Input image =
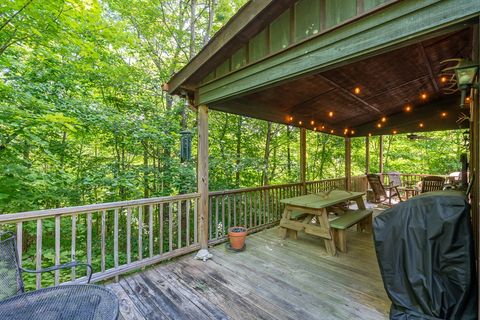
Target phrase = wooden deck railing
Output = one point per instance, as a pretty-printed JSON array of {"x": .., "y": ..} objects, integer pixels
[
  {"x": 120, "y": 237},
  {"x": 256, "y": 208},
  {"x": 128, "y": 235}
]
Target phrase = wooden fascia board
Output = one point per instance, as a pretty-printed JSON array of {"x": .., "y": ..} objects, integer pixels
[
  {"x": 223, "y": 36},
  {"x": 428, "y": 114},
  {"x": 396, "y": 24}
]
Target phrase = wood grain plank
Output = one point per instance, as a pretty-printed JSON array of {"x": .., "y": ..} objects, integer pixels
[{"x": 127, "y": 307}]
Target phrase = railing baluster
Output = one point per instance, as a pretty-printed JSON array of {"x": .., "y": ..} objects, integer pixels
[
  {"x": 140, "y": 233},
  {"x": 129, "y": 234},
  {"x": 216, "y": 217},
  {"x": 150, "y": 231},
  {"x": 57, "y": 249},
  {"x": 244, "y": 197},
  {"x": 223, "y": 216},
  {"x": 115, "y": 238},
  {"x": 20, "y": 243},
  {"x": 170, "y": 226},
  {"x": 102, "y": 258},
  {"x": 235, "y": 209},
  {"x": 250, "y": 209},
  {"x": 89, "y": 238},
  {"x": 229, "y": 212},
  {"x": 38, "y": 276},
  {"x": 179, "y": 224},
  {"x": 161, "y": 228},
  {"x": 195, "y": 221},
  {"x": 187, "y": 222},
  {"x": 210, "y": 217},
  {"x": 73, "y": 249}
]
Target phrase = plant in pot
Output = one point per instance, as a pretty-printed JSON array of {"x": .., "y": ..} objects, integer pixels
[{"x": 237, "y": 236}]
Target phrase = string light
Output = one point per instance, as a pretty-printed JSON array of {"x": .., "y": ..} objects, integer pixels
[
  {"x": 323, "y": 127},
  {"x": 345, "y": 131},
  {"x": 314, "y": 128},
  {"x": 369, "y": 134},
  {"x": 312, "y": 122},
  {"x": 300, "y": 122},
  {"x": 408, "y": 108},
  {"x": 330, "y": 114},
  {"x": 443, "y": 79},
  {"x": 394, "y": 131},
  {"x": 332, "y": 131},
  {"x": 443, "y": 114},
  {"x": 467, "y": 99},
  {"x": 384, "y": 119},
  {"x": 379, "y": 125},
  {"x": 352, "y": 131},
  {"x": 357, "y": 90},
  {"x": 290, "y": 118},
  {"x": 420, "y": 124},
  {"x": 424, "y": 96}
]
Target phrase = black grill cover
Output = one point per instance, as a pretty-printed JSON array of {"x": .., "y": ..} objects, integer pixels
[{"x": 426, "y": 255}]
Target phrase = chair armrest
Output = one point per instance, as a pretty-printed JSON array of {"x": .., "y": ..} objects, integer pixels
[{"x": 67, "y": 265}]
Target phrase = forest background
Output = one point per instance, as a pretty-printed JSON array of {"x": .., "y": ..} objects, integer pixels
[{"x": 83, "y": 118}]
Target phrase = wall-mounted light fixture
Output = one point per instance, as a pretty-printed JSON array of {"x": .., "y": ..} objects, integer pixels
[{"x": 466, "y": 72}]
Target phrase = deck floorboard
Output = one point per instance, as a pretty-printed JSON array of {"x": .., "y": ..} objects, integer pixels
[{"x": 272, "y": 279}]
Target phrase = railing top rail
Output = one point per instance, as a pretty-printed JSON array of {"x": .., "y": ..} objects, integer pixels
[
  {"x": 325, "y": 180},
  {"x": 42, "y": 214},
  {"x": 273, "y": 186}
]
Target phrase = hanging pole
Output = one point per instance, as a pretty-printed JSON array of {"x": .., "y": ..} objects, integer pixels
[
  {"x": 348, "y": 163},
  {"x": 303, "y": 159}
]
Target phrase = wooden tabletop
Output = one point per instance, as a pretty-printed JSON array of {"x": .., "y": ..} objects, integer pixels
[{"x": 318, "y": 201}]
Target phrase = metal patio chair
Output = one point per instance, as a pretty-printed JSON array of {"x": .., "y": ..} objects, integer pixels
[{"x": 11, "y": 282}]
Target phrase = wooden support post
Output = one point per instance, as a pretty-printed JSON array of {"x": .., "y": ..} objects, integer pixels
[
  {"x": 303, "y": 159},
  {"x": 367, "y": 155},
  {"x": 475, "y": 151},
  {"x": 202, "y": 182},
  {"x": 380, "y": 156},
  {"x": 348, "y": 163}
]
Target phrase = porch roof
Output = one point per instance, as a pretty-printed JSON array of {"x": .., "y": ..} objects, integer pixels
[{"x": 342, "y": 81}]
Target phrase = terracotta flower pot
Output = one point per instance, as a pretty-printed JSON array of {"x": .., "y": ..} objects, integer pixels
[{"x": 237, "y": 237}]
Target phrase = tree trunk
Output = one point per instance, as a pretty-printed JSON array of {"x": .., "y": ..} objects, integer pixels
[
  {"x": 211, "y": 14},
  {"x": 146, "y": 188},
  {"x": 193, "y": 9},
  {"x": 265, "y": 178},
  {"x": 239, "y": 145}
]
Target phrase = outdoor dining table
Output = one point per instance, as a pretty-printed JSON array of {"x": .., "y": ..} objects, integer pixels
[
  {"x": 72, "y": 302},
  {"x": 316, "y": 206}
]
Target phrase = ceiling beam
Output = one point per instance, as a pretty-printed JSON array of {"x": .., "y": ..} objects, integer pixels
[
  {"x": 429, "y": 67},
  {"x": 366, "y": 105},
  {"x": 430, "y": 114}
]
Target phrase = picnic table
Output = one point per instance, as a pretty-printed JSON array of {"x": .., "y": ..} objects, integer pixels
[{"x": 309, "y": 213}]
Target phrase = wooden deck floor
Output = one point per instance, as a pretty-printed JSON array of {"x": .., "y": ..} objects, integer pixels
[{"x": 272, "y": 279}]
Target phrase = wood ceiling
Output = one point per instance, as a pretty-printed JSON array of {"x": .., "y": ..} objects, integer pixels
[{"x": 387, "y": 82}]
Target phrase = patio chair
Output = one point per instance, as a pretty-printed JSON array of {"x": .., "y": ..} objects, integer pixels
[
  {"x": 432, "y": 183},
  {"x": 394, "y": 179},
  {"x": 11, "y": 282},
  {"x": 382, "y": 193}
]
